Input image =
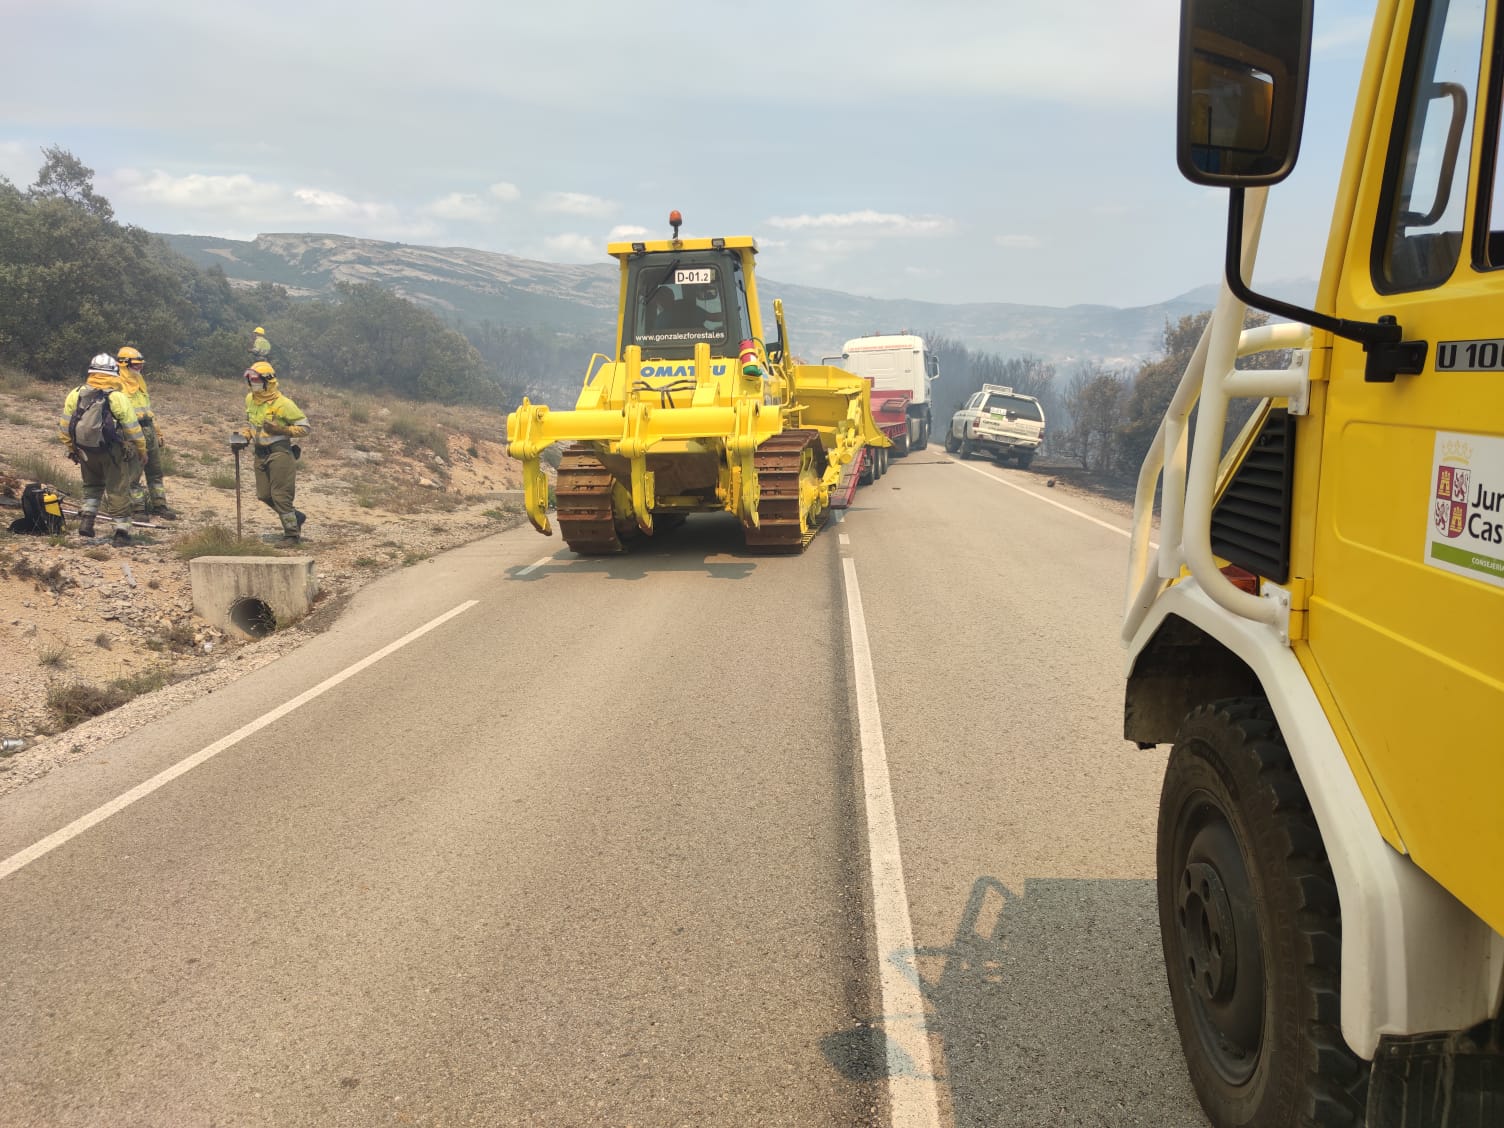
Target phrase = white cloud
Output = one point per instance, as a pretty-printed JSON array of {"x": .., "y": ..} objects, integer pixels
[
  {"x": 624, "y": 231},
  {"x": 505, "y": 191},
  {"x": 570, "y": 247},
  {"x": 461, "y": 206},
  {"x": 1016, "y": 241},
  {"x": 866, "y": 222},
  {"x": 576, "y": 203},
  {"x": 238, "y": 204}
]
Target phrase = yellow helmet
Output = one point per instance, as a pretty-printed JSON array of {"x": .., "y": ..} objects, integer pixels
[
  {"x": 130, "y": 356},
  {"x": 262, "y": 368},
  {"x": 258, "y": 329}
]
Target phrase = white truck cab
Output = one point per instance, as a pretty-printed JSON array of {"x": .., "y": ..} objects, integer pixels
[{"x": 899, "y": 367}]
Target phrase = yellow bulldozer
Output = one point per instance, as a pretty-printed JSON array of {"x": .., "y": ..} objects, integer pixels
[{"x": 696, "y": 413}]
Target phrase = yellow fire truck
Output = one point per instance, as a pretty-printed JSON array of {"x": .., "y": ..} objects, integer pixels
[{"x": 1319, "y": 630}]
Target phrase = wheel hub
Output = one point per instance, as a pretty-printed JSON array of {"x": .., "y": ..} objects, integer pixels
[
  {"x": 1221, "y": 957},
  {"x": 1207, "y": 933}
]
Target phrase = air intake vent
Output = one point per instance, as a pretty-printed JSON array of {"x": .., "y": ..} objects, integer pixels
[{"x": 1251, "y": 523}]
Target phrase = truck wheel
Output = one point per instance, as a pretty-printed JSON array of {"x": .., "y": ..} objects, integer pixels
[
  {"x": 900, "y": 445},
  {"x": 1251, "y": 928},
  {"x": 965, "y": 449},
  {"x": 1024, "y": 459},
  {"x": 951, "y": 442},
  {"x": 882, "y": 461},
  {"x": 924, "y": 435}
]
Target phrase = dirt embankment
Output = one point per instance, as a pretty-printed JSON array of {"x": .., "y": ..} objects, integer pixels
[{"x": 385, "y": 484}]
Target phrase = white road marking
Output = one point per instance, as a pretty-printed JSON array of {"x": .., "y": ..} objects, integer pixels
[
  {"x": 845, "y": 539},
  {"x": 1039, "y": 497},
  {"x": 16, "y": 861},
  {"x": 911, "y": 1076},
  {"x": 535, "y": 564}
]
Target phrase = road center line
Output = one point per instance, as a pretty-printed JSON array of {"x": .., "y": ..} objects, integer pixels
[
  {"x": 912, "y": 1099},
  {"x": 534, "y": 564},
  {"x": 16, "y": 861},
  {"x": 1037, "y": 497}
]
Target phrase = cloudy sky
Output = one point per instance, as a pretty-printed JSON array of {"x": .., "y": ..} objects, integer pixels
[{"x": 944, "y": 150}]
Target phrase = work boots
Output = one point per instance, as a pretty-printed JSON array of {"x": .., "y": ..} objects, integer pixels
[
  {"x": 163, "y": 510},
  {"x": 86, "y": 524},
  {"x": 121, "y": 539}
]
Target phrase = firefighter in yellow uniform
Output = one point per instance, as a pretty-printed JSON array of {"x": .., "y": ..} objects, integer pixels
[
  {"x": 275, "y": 425},
  {"x": 99, "y": 428},
  {"x": 261, "y": 348},
  {"x": 153, "y": 498}
]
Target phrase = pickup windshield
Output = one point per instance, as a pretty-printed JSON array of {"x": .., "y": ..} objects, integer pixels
[{"x": 1019, "y": 405}]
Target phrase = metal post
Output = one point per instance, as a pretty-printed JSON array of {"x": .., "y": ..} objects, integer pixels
[{"x": 237, "y": 493}]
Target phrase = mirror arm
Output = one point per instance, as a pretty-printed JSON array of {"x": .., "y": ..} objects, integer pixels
[{"x": 1389, "y": 354}]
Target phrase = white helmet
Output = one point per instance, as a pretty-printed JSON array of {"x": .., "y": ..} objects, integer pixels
[{"x": 104, "y": 363}]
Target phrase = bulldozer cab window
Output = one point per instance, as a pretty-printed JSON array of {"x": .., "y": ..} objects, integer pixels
[
  {"x": 677, "y": 304},
  {"x": 1419, "y": 240}
]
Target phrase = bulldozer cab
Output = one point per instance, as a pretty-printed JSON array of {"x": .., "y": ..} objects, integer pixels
[{"x": 677, "y": 299}]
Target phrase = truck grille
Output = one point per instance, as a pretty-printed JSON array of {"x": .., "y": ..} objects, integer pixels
[{"x": 1251, "y": 522}]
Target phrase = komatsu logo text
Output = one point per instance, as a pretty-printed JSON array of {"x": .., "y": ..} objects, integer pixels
[{"x": 677, "y": 371}]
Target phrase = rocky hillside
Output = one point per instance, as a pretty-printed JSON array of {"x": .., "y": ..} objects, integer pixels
[
  {"x": 470, "y": 285},
  {"x": 85, "y": 626}
]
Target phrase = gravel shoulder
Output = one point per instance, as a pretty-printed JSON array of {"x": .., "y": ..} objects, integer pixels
[{"x": 385, "y": 485}]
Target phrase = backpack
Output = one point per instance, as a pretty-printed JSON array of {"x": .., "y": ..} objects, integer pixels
[
  {"x": 41, "y": 511},
  {"x": 93, "y": 426}
]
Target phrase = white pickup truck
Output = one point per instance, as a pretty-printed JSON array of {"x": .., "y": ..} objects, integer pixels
[{"x": 1005, "y": 423}]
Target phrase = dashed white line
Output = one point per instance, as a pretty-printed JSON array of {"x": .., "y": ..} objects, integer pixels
[
  {"x": 534, "y": 564},
  {"x": 912, "y": 1099},
  {"x": 16, "y": 861}
]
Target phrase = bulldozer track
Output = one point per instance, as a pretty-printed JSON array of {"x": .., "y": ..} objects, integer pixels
[
  {"x": 582, "y": 503},
  {"x": 780, "y": 461}
]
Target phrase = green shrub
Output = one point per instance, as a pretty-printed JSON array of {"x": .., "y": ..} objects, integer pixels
[{"x": 418, "y": 435}]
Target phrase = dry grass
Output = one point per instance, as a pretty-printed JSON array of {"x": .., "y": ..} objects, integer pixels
[{"x": 216, "y": 540}]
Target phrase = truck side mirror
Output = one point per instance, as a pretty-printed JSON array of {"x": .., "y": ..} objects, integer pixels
[
  {"x": 1242, "y": 91},
  {"x": 932, "y": 367}
]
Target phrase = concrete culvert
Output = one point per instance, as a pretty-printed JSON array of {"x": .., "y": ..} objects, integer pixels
[{"x": 253, "y": 617}]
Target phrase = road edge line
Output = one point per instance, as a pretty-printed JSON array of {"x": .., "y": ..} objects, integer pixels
[
  {"x": 912, "y": 1098},
  {"x": 58, "y": 837}
]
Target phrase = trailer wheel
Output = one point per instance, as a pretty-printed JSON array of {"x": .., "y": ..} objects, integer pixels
[
  {"x": 868, "y": 474},
  {"x": 1251, "y": 928},
  {"x": 882, "y": 461}
]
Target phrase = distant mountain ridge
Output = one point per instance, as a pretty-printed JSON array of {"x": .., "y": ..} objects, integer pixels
[{"x": 466, "y": 285}]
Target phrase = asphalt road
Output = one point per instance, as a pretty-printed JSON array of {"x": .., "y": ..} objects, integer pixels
[{"x": 598, "y": 848}]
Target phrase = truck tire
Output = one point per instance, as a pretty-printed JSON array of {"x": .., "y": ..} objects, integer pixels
[
  {"x": 882, "y": 461},
  {"x": 1024, "y": 459},
  {"x": 952, "y": 444},
  {"x": 965, "y": 449},
  {"x": 924, "y": 435},
  {"x": 1251, "y": 928},
  {"x": 901, "y": 444}
]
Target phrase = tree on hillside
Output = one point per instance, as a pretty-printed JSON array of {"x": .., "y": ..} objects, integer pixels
[
  {"x": 372, "y": 338},
  {"x": 64, "y": 177},
  {"x": 1094, "y": 404},
  {"x": 74, "y": 282},
  {"x": 1156, "y": 380}
]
